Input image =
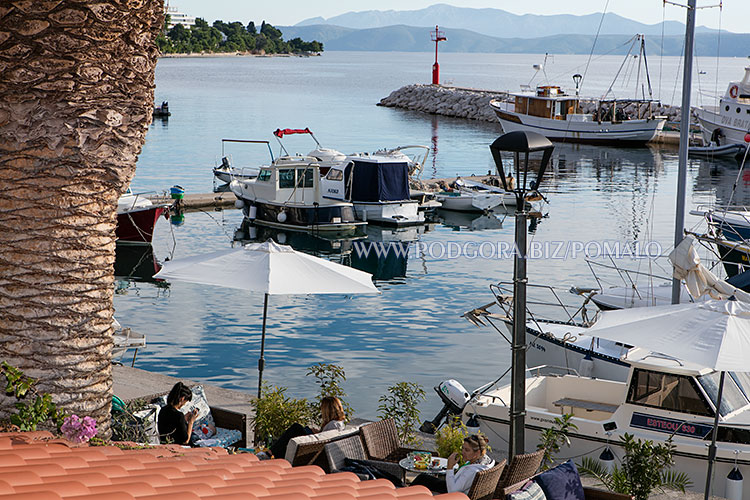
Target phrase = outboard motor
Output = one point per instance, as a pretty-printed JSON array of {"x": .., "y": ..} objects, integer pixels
[
  {"x": 454, "y": 397},
  {"x": 225, "y": 162}
]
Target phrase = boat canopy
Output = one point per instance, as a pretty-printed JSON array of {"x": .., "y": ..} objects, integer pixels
[{"x": 378, "y": 180}]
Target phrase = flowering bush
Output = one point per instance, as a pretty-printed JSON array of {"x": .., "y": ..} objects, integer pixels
[{"x": 78, "y": 430}]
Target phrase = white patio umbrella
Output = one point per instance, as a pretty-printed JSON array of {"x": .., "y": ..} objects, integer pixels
[
  {"x": 714, "y": 334},
  {"x": 272, "y": 269}
]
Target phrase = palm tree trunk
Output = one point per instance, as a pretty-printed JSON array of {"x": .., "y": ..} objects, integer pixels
[{"x": 76, "y": 99}]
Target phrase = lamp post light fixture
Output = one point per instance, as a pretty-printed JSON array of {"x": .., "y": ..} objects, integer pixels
[
  {"x": 577, "y": 79},
  {"x": 521, "y": 144}
]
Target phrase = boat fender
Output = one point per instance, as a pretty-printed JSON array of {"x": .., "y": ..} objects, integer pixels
[
  {"x": 252, "y": 212},
  {"x": 586, "y": 366},
  {"x": 607, "y": 458},
  {"x": 733, "y": 91},
  {"x": 282, "y": 238},
  {"x": 281, "y": 217},
  {"x": 252, "y": 232},
  {"x": 734, "y": 485},
  {"x": 239, "y": 204}
]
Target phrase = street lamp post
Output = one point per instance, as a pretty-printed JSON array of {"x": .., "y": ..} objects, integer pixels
[{"x": 521, "y": 144}]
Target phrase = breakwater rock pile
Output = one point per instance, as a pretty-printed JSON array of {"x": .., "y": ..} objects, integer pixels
[
  {"x": 447, "y": 101},
  {"x": 474, "y": 104}
]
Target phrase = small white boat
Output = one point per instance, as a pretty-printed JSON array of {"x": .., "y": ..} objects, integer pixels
[
  {"x": 287, "y": 195},
  {"x": 729, "y": 122},
  {"x": 473, "y": 196},
  {"x": 226, "y": 171},
  {"x": 377, "y": 186}
]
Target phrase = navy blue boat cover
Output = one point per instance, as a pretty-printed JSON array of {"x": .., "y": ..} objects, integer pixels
[{"x": 374, "y": 181}]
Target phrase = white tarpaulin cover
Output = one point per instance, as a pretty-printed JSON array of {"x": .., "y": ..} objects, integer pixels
[
  {"x": 698, "y": 279},
  {"x": 713, "y": 333},
  {"x": 269, "y": 268}
]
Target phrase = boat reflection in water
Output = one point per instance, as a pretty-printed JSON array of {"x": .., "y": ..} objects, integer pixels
[
  {"x": 136, "y": 263},
  {"x": 382, "y": 252}
]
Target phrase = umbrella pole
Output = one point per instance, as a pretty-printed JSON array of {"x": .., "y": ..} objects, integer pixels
[
  {"x": 261, "y": 360},
  {"x": 712, "y": 447}
]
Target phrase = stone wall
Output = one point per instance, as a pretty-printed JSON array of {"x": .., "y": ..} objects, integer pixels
[{"x": 474, "y": 104}]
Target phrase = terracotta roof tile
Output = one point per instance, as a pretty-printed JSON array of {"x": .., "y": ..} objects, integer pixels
[
  {"x": 135, "y": 488},
  {"x": 34, "y": 466},
  {"x": 37, "y": 495}
]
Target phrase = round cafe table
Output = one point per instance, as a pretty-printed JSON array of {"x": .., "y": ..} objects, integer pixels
[{"x": 408, "y": 465}]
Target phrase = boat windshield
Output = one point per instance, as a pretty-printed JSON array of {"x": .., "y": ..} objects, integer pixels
[
  {"x": 732, "y": 399},
  {"x": 305, "y": 177},
  {"x": 264, "y": 175},
  {"x": 667, "y": 391}
]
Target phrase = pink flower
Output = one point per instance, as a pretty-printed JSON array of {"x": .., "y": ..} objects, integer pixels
[{"x": 78, "y": 430}]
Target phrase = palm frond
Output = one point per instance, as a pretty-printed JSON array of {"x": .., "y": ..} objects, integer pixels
[{"x": 675, "y": 480}]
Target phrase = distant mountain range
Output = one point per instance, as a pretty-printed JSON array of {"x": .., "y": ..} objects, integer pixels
[
  {"x": 499, "y": 23},
  {"x": 401, "y": 38}
]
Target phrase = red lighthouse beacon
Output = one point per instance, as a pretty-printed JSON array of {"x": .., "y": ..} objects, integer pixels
[{"x": 437, "y": 36}]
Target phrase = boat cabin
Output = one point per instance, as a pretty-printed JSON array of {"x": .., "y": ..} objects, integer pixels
[
  {"x": 293, "y": 182},
  {"x": 549, "y": 101},
  {"x": 368, "y": 179}
]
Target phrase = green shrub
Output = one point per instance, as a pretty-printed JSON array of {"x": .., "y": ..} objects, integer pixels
[
  {"x": 126, "y": 426},
  {"x": 400, "y": 404},
  {"x": 33, "y": 413},
  {"x": 329, "y": 378},
  {"x": 275, "y": 412},
  {"x": 551, "y": 439},
  {"x": 449, "y": 438},
  {"x": 645, "y": 468}
]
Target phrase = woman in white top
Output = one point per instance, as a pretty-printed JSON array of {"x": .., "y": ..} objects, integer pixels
[{"x": 459, "y": 477}]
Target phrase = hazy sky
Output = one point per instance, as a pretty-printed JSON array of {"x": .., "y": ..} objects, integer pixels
[{"x": 735, "y": 14}]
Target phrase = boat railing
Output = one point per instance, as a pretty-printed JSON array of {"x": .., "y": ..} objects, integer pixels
[
  {"x": 150, "y": 196},
  {"x": 534, "y": 371},
  {"x": 541, "y": 296}
]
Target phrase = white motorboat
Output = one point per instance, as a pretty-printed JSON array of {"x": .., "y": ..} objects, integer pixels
[
  {"x": 377, "y": 186},
  {"x": 729, "y": 122},
  {"x": 661, "y": 398},
  {"x": 287, "y": 195}
]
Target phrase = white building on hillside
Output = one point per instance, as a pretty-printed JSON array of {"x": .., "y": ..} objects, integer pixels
[{"x": 176, "y": 17}]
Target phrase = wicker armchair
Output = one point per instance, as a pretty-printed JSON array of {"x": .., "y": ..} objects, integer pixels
[
  {"x": 520, "y": 469},
  {"x": 382, "y": 441},
  {"x": 485, "y": 482},
  {"x": 338, "y": 451}
]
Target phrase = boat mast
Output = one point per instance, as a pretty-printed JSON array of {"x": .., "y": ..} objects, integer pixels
[{"x": 679, "y": 223}]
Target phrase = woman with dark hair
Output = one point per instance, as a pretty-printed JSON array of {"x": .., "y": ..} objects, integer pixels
[
  {"x": 331, "y": 417},
  {"x": 459, "y": 477},
  {"x": 174, "y": 426}
]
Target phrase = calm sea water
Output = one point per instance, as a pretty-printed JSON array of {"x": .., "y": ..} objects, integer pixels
[{"x": 413, "y": 331}]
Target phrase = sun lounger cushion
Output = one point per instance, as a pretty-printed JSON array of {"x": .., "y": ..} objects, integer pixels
[
  {"x": 530, "y": 491},
  {"x": 222, "y": 438},
  {"x": 561, "y": 482},
  {"x": 291, "y": 448}
]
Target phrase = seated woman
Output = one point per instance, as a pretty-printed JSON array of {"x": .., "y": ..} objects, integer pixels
[
  {"x": 331, "y": 417},
  {"x": 459, "y": 477},
  {"x": 174, "y": 426}
]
